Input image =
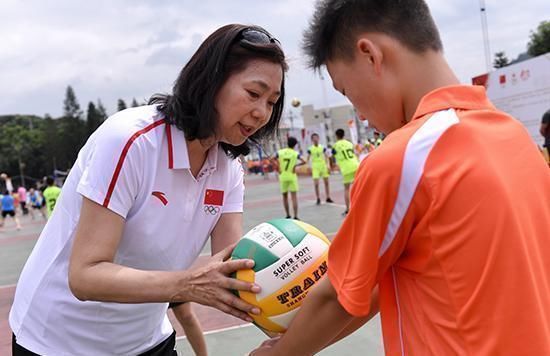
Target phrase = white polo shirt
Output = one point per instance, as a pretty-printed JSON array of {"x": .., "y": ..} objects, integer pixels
[{"x": 136, "y": 165}]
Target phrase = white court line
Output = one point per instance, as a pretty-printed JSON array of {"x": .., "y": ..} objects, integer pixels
[
  {"x": 220, "y": 330},
  {"x": 8, "y": 286}
]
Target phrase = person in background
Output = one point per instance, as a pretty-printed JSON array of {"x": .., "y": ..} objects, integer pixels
[
  {"x": 288, "y": 159},
  {"x": 317, "y": 154},
  {"x": 35, "y": 200},
  {"x": 51, "y": 194},
  {"x": 22, "y": 195},
  {"x": 347, "y": 162},
  {"x": 8, "y": 209}
]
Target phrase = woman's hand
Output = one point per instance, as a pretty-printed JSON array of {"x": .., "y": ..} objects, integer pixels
[{"x": 211, "y": 285}]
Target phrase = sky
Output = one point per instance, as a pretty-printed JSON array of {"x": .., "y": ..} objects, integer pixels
[{"x": 111, "y": 49}]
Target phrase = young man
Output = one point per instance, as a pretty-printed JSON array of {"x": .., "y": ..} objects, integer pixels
[
  {"x": 317, "y": 153},
  {"x": 288, "y": 159},
  {"x": 51, "y": 193},
  {"x": 448, "y": 222},
  {"x": 347, "y": 161}
]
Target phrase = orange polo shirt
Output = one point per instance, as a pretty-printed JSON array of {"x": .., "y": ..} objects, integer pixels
[{"x": 450, "y": 216}]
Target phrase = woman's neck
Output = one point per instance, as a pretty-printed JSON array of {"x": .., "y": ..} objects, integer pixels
[{"x": 197, "y": 151}]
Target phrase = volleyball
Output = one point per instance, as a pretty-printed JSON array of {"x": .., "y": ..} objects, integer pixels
[
  {"x": 290, "y": 257},
  {"x": 295, "y": 102}
]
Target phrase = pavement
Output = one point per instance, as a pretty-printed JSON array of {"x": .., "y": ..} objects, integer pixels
[{"x": 225, "y": 335}]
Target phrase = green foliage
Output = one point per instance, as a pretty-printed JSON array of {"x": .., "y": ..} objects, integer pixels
[
  {"x": 540, "y": 40},
  {"x": 35, "y": 146},
  {"x": 121, "y": 105},
  {"x": 135, "y": 103},
  {"x": 500, "y": 60},
  {"x": 71, "y": 108},
  {"x": 93, "y": 119}
]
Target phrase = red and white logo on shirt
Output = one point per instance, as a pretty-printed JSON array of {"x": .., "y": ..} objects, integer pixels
[{"x": 213, "y": 200}]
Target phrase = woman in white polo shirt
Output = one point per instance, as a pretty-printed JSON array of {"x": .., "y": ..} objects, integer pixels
[{"x": 148, "y": 189}]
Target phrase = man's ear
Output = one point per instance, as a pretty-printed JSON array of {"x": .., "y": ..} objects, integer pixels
[{"x": 371, "y": 53}]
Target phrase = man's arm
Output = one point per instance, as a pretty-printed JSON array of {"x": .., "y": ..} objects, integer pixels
[
  {"x": 358, "y": 322},
  {"x": 332, "y": 322}
]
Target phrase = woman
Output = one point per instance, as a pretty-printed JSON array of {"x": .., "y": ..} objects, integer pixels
[{"x": 148, "y": 189}]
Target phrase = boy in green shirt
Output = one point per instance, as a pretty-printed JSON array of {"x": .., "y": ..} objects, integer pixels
[
  {"x": 288, "y": 161},
  {"x": 51, "y": 193},
  {"x": 319, "y": 166},
  {"x": 347, "y": 161}
]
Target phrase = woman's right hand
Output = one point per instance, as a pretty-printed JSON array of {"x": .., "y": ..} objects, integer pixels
[{"x": 211, "y": 285}]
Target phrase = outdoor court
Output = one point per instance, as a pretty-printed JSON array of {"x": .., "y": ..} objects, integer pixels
[{"x": 225, "y": 335}]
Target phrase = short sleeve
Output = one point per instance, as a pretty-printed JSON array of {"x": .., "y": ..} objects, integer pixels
[
  {"x": 308, "y": 151},
  {"x": 235, "y": 195},
  {"x": 358, "y": 255},
  {"x": 113, "y": 169},
  {"x": 333, "y": 151}
]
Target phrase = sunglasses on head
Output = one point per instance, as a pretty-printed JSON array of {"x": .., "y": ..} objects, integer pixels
[{"x": 255, "y": 36}]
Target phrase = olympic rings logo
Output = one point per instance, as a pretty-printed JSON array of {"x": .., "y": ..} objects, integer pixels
[{"x": 211, "y": 209}]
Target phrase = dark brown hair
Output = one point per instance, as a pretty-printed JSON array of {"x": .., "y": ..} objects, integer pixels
[{"x": 191, "y": 107}]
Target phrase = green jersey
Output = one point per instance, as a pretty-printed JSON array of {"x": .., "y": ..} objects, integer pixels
[
  {"x": 50, "y": 196},
  {"x": 287, "y": 161},
  {"x": 317, "y": 155},
  {"x": 345, "y": 156}
]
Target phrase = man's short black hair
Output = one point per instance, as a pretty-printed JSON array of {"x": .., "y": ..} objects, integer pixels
[
  {"x": 340, "y": 134},
  {"x": 335, "y": 25},
  {"x": 50, "y": 181},
  {"x": 314, "y": 134},
  {"x": 292, "y": 141}
]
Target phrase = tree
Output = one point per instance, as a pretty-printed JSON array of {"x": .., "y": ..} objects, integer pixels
[
  {"x": 540, "y": 40},
  {"x": 93, "y": 119},
  {"x": 71, "y": 133},
  {"x": 121, "y": 105},
  {"x": 71, "y": 108},
  {"x": 500, "y": 60},
  {"x": 134, "y": 103},
  {"x": 101, "y": 111}
]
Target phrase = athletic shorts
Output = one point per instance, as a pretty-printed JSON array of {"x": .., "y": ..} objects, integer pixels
[
  {"x": 349, "y": 177},
  {"x": 165, "y": 348},
  {"x": 319, "y": 172},
  {"x": 8, "y": 212},
  {"x": 289, "y": 185}
]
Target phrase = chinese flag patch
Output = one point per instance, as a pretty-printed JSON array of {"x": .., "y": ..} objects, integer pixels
[{"x": 213, "y": 197}]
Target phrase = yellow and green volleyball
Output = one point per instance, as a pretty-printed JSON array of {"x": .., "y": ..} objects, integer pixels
[{"x": 290, "y": 257}]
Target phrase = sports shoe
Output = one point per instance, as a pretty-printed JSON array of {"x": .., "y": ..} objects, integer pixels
[
  {"x": 345, "y": 213},
  {"x": 296, "y": 218},
  {"x": 318, "y": 202},
  {"x": 329, "y": 200}
]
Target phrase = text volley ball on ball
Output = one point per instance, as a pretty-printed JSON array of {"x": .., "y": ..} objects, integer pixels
[{"x": 290, "y": 257}]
